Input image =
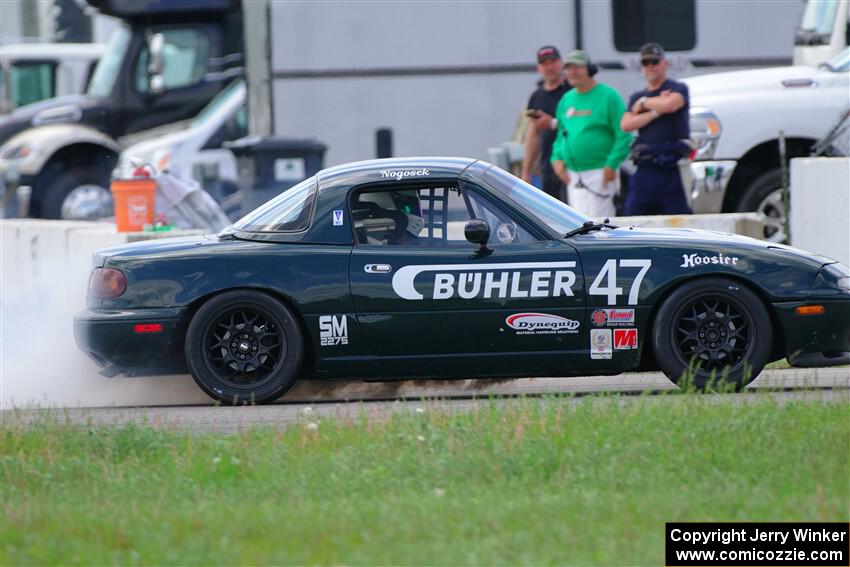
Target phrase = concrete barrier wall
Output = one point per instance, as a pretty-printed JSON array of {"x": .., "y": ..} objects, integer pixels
[{"x": 820, "y": 206}]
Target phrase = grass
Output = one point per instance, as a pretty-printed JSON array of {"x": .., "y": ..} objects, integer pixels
[{"x": 523, "y": 482}]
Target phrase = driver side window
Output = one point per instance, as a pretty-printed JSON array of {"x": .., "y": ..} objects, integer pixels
[{"x": 427, "y": 216}]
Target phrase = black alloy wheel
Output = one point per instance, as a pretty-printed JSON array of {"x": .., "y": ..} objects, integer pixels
[
  {"x": 713, "y": 331},
  {"x": 244, "y": 347}
]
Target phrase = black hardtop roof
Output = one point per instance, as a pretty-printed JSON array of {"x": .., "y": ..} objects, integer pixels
[{"x": 414, "y": 167}]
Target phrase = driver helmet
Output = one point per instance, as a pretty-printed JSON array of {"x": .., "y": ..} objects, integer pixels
[{"x": 405, "y": 201}]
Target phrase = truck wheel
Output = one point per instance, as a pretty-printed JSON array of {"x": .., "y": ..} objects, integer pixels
[
  {"x": 81, "y": 193},
  {"x": 713, "y": 331},
  {"x": 764, "y": 196},
  {"x": 244, "y": 347}
]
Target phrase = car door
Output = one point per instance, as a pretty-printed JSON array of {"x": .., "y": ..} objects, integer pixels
[{"x": 420, "y": 289}]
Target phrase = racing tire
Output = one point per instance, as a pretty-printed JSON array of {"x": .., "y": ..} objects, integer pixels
[
  {"x": 244, "y": 347},
  {"x": 712, "y": 333},
  {"x": 764, "y": 195},
  {"x": 63, "y": 186}
]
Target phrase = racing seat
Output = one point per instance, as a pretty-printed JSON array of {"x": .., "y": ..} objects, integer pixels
[{"x": 376, "y": 225}]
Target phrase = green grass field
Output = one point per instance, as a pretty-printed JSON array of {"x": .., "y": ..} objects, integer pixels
[{"x": 522, "y": 482}]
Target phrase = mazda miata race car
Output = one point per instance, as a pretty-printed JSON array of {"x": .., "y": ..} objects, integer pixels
[{"x": 449, "y": 267}]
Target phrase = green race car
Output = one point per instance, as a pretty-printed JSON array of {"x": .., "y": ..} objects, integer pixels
[{"x": 453, "y": 268}]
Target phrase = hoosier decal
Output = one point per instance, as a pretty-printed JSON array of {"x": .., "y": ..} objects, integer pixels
[
  {"x": 691, "y": 260},
  {"x": 547, "y": 279}
]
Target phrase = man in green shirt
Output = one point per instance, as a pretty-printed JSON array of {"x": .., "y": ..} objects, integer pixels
[{"x": 590, "y": 146}]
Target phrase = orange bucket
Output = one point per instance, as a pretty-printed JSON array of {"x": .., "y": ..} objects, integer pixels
[{"x": 134, "y": 203}]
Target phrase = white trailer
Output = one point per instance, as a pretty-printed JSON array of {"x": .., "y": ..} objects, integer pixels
[{"x": 451, "y": 78}]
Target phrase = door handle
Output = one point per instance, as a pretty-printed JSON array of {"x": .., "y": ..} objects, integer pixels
[{"x": 377, "y": 268}]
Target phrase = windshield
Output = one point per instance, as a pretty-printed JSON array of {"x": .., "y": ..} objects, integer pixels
[
  {"x": 222, "y": 99},
  {"x": 841, "y": 62},
  {"x": 107, "y": 68},
  {"x": 556, "y": 215},
  {"x": 288, "y": 212},
  {"x": 819, "y": 16}
]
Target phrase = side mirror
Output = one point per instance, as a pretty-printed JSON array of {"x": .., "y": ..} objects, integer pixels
[
  {"x": 156, "y": 63},
  {"x": 477, "y": 231}
]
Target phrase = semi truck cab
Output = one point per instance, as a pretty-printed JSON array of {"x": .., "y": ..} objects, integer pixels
[{"x": 165, "y": 62}]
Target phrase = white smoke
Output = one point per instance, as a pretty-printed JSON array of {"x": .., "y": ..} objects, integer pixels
[{"x": 44, "y": 270}]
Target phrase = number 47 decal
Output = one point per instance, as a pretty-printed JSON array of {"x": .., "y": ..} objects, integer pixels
[{"x": 608, "y": 274}]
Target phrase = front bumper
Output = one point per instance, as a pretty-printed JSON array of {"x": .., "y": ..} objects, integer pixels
[
  {"x": 109, "y": 338},
  {"x": 709, "y": 180},
  {"x": 817, "y": 340}
]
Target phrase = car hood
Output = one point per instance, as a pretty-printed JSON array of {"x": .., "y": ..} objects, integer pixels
[
  {"x": 700, "y": 239},
  {"x": 757, "y": 80}
]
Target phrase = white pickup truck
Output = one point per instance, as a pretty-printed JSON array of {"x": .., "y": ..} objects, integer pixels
[{"x": 736, "y": 119}]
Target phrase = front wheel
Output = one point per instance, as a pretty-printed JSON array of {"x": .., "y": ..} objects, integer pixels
[
  {"x": 80, "y": 193},
  {"x": 711, "y": 332},
  {"x": 244, "y": 347}
]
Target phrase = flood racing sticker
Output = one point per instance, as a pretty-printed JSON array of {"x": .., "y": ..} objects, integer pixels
[{"x": 613, "y": 317}]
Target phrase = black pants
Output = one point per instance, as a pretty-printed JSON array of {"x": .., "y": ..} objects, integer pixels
[
  {"x": 656, "y": 190},
  {"x": 552, "y": 184}
]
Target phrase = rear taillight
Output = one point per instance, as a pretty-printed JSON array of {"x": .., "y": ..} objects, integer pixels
[{"x": 107, "y": 283}]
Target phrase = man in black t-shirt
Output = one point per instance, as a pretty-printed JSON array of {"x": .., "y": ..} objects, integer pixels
[
  {"x": 660, "y": 115},
  {"x": 543, "y": 127}
]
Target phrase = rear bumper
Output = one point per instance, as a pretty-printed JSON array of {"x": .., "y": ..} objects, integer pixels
[
  {"x": 111, "y": 340},
  {"x": 817, "y": 340}
]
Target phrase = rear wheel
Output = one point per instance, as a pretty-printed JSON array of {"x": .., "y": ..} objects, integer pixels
[
  {"x": 712, "y": 332},
  {"x": 244, "y": 347}
]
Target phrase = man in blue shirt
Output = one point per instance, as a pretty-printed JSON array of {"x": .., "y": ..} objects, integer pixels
[{"x": 660, "y": 115}]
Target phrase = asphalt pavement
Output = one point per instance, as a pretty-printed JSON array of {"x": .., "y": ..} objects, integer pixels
[{"x": 310, "y": 402}]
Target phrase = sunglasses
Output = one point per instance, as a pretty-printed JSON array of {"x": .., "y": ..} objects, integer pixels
[{"x": 651, "y": 61}]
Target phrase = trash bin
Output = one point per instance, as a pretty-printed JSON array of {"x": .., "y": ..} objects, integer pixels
[{"x": 270, "y": 165}]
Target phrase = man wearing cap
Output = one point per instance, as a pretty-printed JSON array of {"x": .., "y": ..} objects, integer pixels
[
  {"x": 660, "y": 115},
  {"x": 541, "y": 109},
  {"x": 590, "y": 146}
]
